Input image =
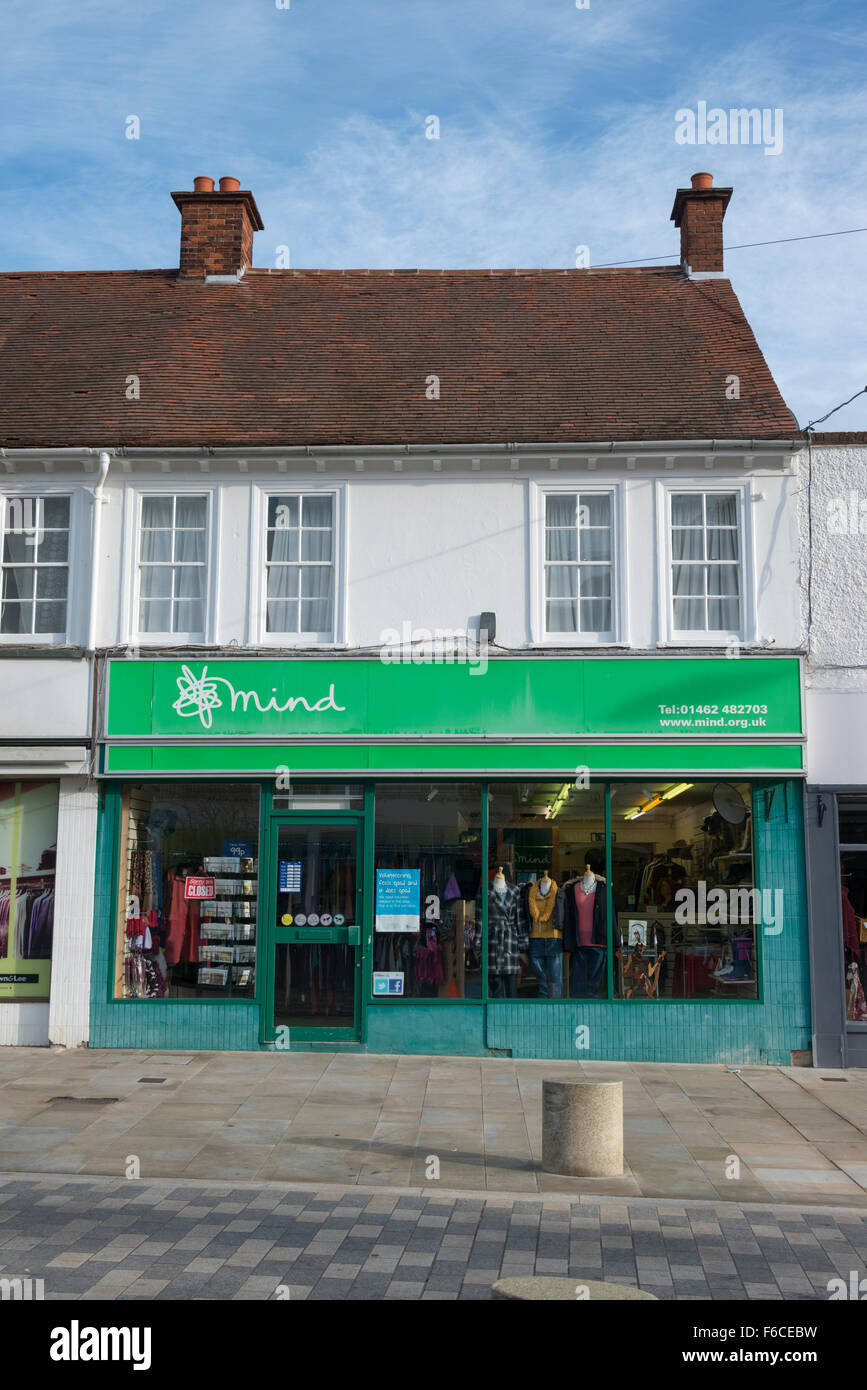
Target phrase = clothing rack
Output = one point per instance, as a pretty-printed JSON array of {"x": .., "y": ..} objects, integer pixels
[
  {"x": 32, "y": 873},
  {"x": 39, "y": 884}
]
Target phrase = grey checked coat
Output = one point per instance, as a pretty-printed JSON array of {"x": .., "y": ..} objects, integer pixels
[{"x": 508, "y": 931}]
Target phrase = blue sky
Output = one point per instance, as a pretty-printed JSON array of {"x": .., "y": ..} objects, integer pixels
[{"x": 557, "y": 129}]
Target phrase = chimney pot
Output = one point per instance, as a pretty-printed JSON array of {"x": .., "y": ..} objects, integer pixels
[
  {"x": 228, "y": 185},
  {"x": 702, "y": 181},
  {"x": 203, "y": 184}
]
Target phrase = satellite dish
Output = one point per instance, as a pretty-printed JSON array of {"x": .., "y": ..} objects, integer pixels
[{"x": 729, "y": 802}]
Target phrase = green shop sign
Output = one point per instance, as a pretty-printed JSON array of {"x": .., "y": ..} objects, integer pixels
[{"x": 537, "y": 698}]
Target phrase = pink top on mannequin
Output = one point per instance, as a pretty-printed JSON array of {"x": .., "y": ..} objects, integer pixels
[{"x": 585, "y": 903}]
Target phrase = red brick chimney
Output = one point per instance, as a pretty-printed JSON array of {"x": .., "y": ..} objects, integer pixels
[
  {"x": 216, "y": 228},
  {"x": 699, "y": 213}
]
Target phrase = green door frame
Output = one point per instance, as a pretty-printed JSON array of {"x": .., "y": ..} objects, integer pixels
[{"x": 272, "y": 936}]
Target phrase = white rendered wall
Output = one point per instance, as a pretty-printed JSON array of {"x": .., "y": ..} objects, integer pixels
[
  {"x": 23, "y": 1025},
  {"x": 65, "y": 1020},
  {"x": 436, "y": 551},
  {"x": 834, "y": 558},
  {"x": 44, "y": 698},
  {"x": 68, "y": 1022}
]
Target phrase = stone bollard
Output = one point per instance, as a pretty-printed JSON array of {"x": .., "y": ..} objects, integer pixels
[{"x": 582, "y": 1128}]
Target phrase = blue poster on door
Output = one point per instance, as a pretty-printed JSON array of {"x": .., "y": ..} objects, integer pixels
[
  {"x": 290, "y": 876},
  {"x": 398, "y": 899}
]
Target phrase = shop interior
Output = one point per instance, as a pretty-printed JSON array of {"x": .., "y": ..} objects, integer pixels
[
  {"x": 187, "y": 910},
  {"x": 435, "y": 828},
  {"x": 682, "y": 893},
  {"x": 667, "y": 836}
]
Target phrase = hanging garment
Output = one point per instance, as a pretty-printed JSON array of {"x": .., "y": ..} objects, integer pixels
[
  {"x": 851, "y": 939},
  {"x": 23, "y": 905},
  {"x": 182, "y": 922},
  {"x": 4, "y": 923},
  {"x": 40, "y": 931},
  {"x": 140, "y": 931},
  {"x": 452, "y": 890},
  {"x": 429, "y": 959},
  {"x": 141, "y": 878},
  {"x": 468, "y": 870},
  {"x": 856, "y": 1008},
  {"x": 135, "y": 975}
]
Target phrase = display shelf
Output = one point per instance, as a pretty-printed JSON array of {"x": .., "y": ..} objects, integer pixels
[{"x": 228, "y": 925}]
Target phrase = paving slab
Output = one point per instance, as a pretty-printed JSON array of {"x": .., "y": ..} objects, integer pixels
[{"x": 362, "y": 1119}]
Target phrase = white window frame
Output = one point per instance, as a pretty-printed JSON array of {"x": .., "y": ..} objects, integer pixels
[
  {"x": 745, "y": 494},
  {"x": 132, "y": 570},
  {"x": 258, "y": 634},
  {"x": 619, "y": 572},
  {"x": 75, "y": 589}
]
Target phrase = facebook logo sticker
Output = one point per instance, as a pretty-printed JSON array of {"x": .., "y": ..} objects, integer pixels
[{"x": 388, "y": 982}]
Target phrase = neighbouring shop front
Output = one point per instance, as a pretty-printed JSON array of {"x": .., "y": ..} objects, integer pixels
[
  {"x": 837, "y": 850},
  {"x": 554, "y": 856},
  {"x": 47, "y": 838},
  {"x": 28, "y": 850}
]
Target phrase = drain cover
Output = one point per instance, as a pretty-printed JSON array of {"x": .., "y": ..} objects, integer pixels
[
  {"x": 81, "y": 1100},
  {"x": 152, "y": 1080}
]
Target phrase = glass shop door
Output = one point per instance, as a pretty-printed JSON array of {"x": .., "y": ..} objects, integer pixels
[{"x": 316, "y": 898}]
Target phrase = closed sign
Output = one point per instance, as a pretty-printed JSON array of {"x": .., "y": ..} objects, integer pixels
[{"x": 200, "y": 889}]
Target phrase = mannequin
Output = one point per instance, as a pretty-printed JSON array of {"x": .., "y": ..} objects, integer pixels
[
  {"x": 507, "y": 936},
  {"x": 584, "y": 920},
  {"x": 546, "y": 937}
]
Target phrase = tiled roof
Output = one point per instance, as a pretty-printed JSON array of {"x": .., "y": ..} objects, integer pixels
[{"x": 309, "y": 357}]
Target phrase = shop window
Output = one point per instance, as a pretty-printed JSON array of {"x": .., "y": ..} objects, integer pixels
[
  {"x": 173, "y": 562},
  {"x": 299, "y": 566},
  {"x": 28, "y": 852},
  {"x": 35, "y": 565},
  {"x": 852, "y": 812},
  {"x": 706, "y": 579},
  {"x": 547, "y": 905},
  {"x": 428, "y": 859},
  {"x": 188, "y": 892},
  {"x": 579, "y": 564},
  {"x": 687, "y": 914}
]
